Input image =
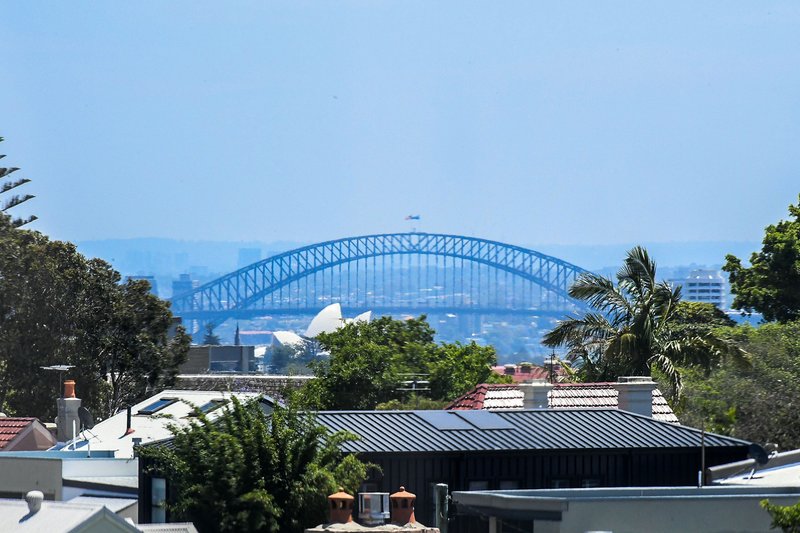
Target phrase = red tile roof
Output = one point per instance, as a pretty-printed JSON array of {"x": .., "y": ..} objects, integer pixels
[
  {"x": 494, "y": 396},
  {"x": 519, "y": 375},
  {"x": 476, "y": 398},
  {"x": 11, "y": 427}
]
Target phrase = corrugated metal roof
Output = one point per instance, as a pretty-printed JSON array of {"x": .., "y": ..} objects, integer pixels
[
  {"x": 59, "y": 516},
  {"x": 176, "y": 527},
  {"x": 540, "y": 429},
  {"x": 114, "y": 504}
]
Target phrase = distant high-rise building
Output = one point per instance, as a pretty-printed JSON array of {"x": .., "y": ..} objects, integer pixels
[
  {"x": 184, "y": 283},
  {"x": 707, "y": 286},
  {"x": 248, "y": 256}
]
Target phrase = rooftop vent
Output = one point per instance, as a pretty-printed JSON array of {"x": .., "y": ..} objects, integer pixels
[
  {"x": 340, "y": 507},
  {"x": 403, "y": 507},
  {"x": 34, "y": 499}
]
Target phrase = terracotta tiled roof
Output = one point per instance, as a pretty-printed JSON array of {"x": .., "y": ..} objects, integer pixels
[
  {"x": 598, "y": 395},
  {"x": 11, "y": 427},
  {"x": 520, "y": 375},
  {"x": 502, "y": 396},
  {"x": 496, "y": 397}
]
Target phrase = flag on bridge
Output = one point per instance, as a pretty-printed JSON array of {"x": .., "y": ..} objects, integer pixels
[{"x": 412, "y": 217}]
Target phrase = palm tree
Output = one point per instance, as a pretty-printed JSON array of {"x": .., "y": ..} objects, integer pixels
[{"x": 632, "y": 330}]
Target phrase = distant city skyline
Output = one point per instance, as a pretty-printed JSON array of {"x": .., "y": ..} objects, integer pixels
[
  {"x": 169, "y": 258},
  {"x": 557, "y": 124}
]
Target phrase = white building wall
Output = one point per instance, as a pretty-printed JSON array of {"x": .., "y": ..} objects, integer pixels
[{"x": 707, "y": 286}]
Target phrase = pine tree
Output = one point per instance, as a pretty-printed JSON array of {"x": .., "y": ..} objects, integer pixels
[{"x": 15, "y": 199}]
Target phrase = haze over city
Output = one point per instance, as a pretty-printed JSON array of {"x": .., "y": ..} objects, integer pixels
[
  {"x": 385, "y": 267},
  {"x": 559, "y": 124}
]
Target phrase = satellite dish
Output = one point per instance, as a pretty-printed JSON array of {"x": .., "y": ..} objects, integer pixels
[
  {"x": 86, "y": 418},
  {"x": 755, "y": 451},
  {"x": 772, "y": 448}
]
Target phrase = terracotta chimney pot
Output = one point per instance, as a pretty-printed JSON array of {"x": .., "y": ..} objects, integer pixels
[
  {"x": 69, "y": 389},
  {"x": 402, "y": 507},
  {"x": 340, "y": 507}
]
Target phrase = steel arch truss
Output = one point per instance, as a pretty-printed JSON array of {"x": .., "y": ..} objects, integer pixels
[{"x": 240, "y": 290}]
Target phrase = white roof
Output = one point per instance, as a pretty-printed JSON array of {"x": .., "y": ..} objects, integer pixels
[
  {"x": 110, "y": 434},
  {"x": 56, "y": 517},
  {"x": 175, "y": 527},
  {"x": 114, "y": 504},
  {"x": 327, "y": 321},
  {"x": 287, "y": 338},
  {"x": 366, "y": 316},
  {"x": 781, "y": 470}
]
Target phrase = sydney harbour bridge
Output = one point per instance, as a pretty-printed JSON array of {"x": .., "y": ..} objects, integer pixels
[{"x": 394, "y": 273}]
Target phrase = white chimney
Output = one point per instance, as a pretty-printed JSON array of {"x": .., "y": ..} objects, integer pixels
[
  {"x": 636, "y": 394},
  {"x": 535, "y": 394},
  {"x": 68, "y": 423},
  {"x": 34, "y": 499}
]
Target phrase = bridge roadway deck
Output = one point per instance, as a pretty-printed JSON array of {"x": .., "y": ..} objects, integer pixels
[{"x": 377, "y": 311}]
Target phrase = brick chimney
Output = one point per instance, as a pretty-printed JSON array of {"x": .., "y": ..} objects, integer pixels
[
  {"x": 68, "y": 413},
  {"x": 535, "y": 394},
  {"x": 636, "y": 394},
  {"x": 340, "y": 507},
  {"x": 402, "y": 507}
]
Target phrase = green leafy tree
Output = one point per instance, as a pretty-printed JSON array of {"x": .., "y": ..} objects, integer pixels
[
  {"x": 700, "y": 314},
  {"x": 359, "y": 373},
  {"x": 293, "y": 359},
  {"x": 757, "y": 402},
  {"x": 457, "y": 367},
  {"x": 139, "y": 356},
  {"x": 369, "y": 363},
  {"x": 786, "y": 517},
  {"x": 632, "y": 331},
  {"x": 771, "y": 285},
  {"x": 57, "y": 307},
  {"x": 251, "y": 472}
]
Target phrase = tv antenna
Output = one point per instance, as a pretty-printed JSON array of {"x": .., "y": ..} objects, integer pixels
[
  {"x": 60, "y": 369},
  {"x": 415, "y": 385}
]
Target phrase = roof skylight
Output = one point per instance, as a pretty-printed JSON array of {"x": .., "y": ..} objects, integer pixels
[{"x": 156, "y": 406}]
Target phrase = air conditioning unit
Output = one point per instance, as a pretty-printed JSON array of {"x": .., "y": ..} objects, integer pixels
[{"x": 373, "y": 508}]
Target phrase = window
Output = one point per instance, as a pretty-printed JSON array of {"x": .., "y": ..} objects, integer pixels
[
  {"x": 509, "y": 484},
  {"x": 590, "y": 483},
  {"x": 478, "y": 485},
  {"x": 156, "y": 406},
  {"x": 559, "y": 484},
  {"x": 158, "y": 495},
  {"x": 209, "y": 406}
]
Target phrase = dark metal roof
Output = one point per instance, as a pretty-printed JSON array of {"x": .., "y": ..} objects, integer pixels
[{"x": 538, "y": 429}]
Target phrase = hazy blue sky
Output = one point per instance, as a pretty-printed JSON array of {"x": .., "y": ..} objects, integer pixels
[{"x": 528, "y": 122}]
